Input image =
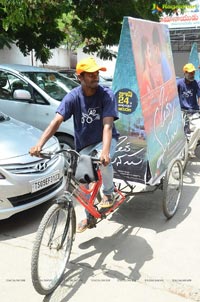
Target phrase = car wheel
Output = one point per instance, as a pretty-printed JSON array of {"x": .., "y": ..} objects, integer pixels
[{"x": 65, "y": 141}]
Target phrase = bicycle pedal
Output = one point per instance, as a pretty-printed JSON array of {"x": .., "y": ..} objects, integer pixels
[
  {"x": 103, "y": 210},
  {"x": 91, "y": 226},
  {"x": 92, "y": 223}
]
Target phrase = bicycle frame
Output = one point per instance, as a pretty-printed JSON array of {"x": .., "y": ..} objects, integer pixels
[
  {"x": 56, "y": 232},
  {"x": 86, "y": 196},
  {"x": 191, "y": 128}
]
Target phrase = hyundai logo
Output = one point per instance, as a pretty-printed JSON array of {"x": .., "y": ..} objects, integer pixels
[{"x": 41, "y": 166}]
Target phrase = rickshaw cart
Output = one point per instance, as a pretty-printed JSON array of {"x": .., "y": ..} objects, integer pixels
[{"x": 152, "y": 139}]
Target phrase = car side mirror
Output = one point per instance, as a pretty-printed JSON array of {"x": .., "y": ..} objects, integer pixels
[{"x": 21, "y": 94}]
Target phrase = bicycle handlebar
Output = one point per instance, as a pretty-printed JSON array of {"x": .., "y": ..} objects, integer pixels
[
  {"x": 72, "y": 152},
  {"x": 191, "y": 114},
  {"x": 190, "y": 111},
  {"x": 49, "y": 154}
]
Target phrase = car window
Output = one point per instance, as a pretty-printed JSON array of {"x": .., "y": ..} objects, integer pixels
[
  {"x": 69, "y": 73},
  {"x": 10, "y": 82},
  {"x": 54, "y": 84},
  {"x": 5, "y": 91}
]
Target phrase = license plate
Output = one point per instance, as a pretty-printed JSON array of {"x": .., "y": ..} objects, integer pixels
[{"x": 44, "y": 182}]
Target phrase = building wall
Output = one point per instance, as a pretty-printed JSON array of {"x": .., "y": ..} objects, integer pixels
[
  {"x": 62, "y": 58},
  {"x": 180, "y": 59},
  {"x": 13, "y": 56}
]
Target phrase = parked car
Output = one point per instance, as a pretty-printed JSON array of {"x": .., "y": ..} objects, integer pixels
[
  {"x": 106, "y": 81},
  {"x": 32, "y": 95},
  {"x": 26, "y": 181},
  {"x": 71, "y": 73}
]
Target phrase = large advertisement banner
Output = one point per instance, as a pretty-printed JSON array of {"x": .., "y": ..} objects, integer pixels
[
  {"x": 150, "y": 121},
  {"x": 194, "y": 59}
]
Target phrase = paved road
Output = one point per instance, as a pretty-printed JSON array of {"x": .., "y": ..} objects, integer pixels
[{"x": 135, "y": 255}]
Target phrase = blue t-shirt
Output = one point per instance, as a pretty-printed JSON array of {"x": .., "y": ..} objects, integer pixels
[
  {"x": 188, "y": 94},
  {"x": 88, "y": 113}
]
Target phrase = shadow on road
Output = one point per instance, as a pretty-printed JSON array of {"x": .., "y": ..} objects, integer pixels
[
  {"x": 129, "y": 251},
  {"x": 192, "y": 170},
  {"x": 145, "y": 209},
  {"x": 23, "y": 223},
  {"x": 121, "y": 246}
]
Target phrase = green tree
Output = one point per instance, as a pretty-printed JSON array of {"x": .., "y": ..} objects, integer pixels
[
  {"x": 96, "y": 24},
  {"x": 72, "y": 39},
  {"x": 33, "y": 24},
  {"x": 99, "y": 21}
]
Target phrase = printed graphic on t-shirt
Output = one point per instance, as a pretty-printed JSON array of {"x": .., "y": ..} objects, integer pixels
[
  {"x": 188, "y": 93},
  {"x": 91, "y": 116}
]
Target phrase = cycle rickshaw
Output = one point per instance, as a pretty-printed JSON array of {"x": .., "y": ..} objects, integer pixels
[{"x": 149, "y": 153}]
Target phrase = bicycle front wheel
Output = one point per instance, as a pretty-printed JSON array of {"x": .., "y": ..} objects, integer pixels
[{"x": 52, "y": 248}]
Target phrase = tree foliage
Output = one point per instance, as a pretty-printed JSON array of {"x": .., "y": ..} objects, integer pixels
[
  {"x": 33, "y": 24},
  {"x": 96, "y": 24},
  {"x": 99, "y": 21},
  {"x": 72, "y": 39}
]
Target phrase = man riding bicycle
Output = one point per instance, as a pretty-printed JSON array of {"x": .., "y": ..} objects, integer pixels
[
  {"x": 98, "y": 134},
  {"x": 189, "y": 97},
  {"x": 188, "y": 89}
]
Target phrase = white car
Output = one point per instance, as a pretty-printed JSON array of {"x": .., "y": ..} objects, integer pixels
[
  {"x": 26, "y": 181},
  {"x": 32, "y": 95},
  {"x": 71, "y": 74}
]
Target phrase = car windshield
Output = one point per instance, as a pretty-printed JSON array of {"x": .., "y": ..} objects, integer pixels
[{"x": 54, "y": 84}]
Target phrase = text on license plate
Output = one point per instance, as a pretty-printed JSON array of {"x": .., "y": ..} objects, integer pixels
[{"x": 44, "y": 182}]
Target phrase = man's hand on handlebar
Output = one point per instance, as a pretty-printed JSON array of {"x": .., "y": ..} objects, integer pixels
[
  {"x": 105, "y": 159},
  {"x": 35, "y": 151}
]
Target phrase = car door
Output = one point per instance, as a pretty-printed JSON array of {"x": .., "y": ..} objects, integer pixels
[
  {"x": 16, "y": 108},
  {"x": 38, "y": 110},
  {"x": 35, "y": 111}
]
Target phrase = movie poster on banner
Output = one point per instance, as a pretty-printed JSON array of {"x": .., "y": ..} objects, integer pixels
[{"x": 150, "y": 121}]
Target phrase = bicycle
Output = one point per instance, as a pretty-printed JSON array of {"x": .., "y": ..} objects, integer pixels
[
  {"x": 56, "y": 233},
  {"x": 191, "y": 119}
]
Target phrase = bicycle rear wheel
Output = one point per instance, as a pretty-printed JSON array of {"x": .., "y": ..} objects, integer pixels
[
  {"x": 52, "y": 247},
  {"x": 172, "y": 188}
]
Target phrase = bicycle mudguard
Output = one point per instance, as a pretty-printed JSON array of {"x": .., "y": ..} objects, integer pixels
[{"x": 85, "y": 170}]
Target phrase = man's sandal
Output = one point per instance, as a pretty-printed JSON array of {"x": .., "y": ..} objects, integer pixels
[
  {"x": 86, "y": 224},
  {"x": 107, "y": 201}
]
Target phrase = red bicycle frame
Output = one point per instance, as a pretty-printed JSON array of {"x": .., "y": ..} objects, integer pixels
[{"x": 86, "y": 196}]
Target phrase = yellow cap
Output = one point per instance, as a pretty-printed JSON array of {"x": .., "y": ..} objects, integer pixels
[
  {"x": 189, "y": 67},
  {"x": 88, "y": 65}
]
